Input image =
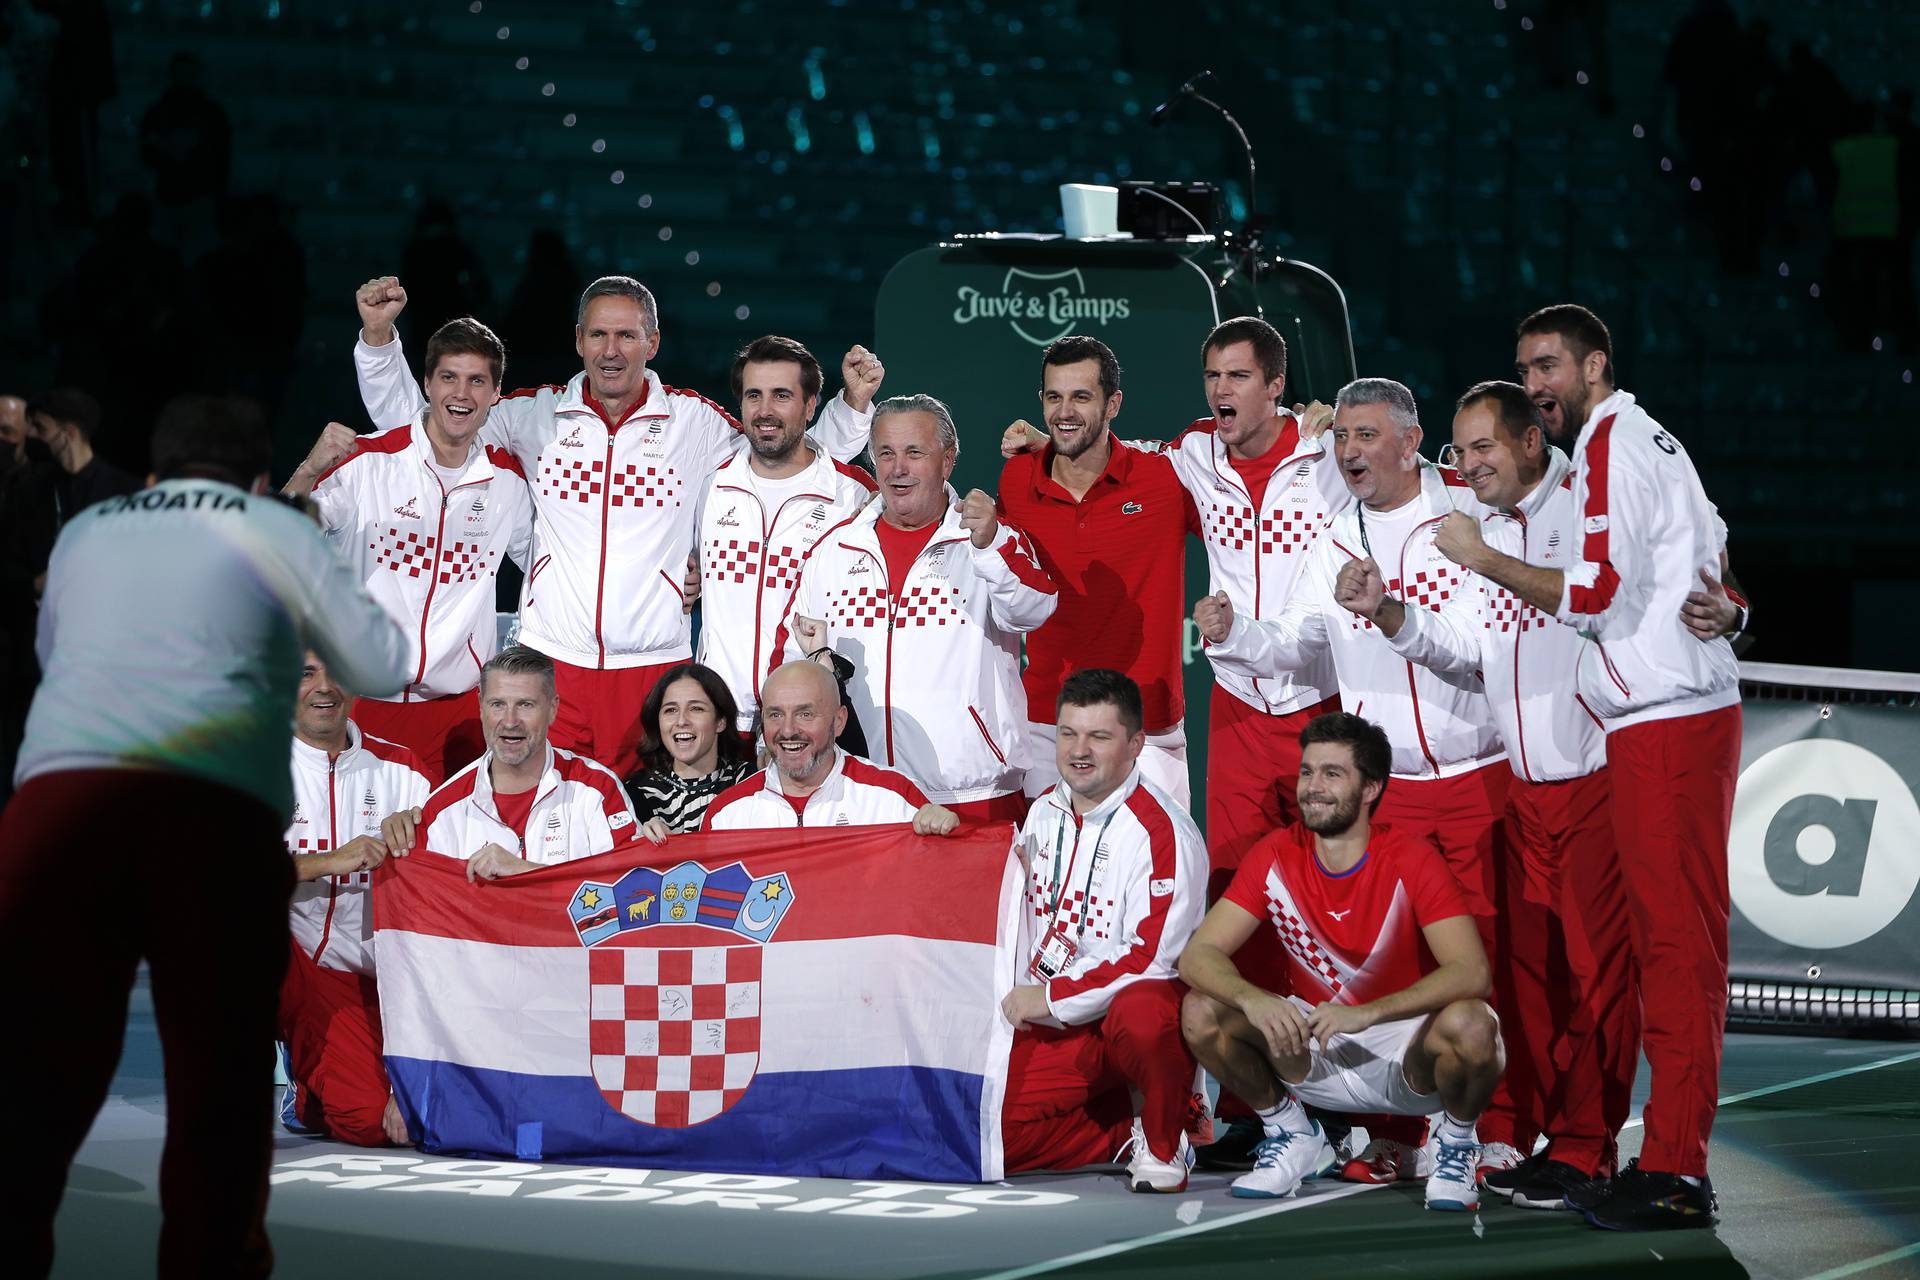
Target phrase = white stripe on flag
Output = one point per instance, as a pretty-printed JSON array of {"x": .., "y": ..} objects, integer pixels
[{"x": 825, "y": 1005}]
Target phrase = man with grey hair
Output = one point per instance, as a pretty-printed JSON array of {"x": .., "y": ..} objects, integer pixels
[
  {"x": 1450, "y": 774},
  {"x": 927, "y": 594},
  {"x": 617, "y": 462},
  {"x": 525, "y": 803}
]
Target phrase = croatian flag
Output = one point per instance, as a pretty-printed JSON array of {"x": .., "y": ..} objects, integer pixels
[{"x": 808, "y": 1003}]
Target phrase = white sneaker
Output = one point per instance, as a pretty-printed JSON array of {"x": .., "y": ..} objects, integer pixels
[
  {"x": 1147, "y": 1172},
  {"x": 1282, "y": 1162},
  {"x": 1452, "y": 1185},
  {"x": 1496, "y": 1157}
]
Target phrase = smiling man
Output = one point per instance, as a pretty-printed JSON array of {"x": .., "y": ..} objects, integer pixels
[
  {"x": 1116, "y": 878},
  {"x": 928, "y": 595},
  {"x": 1449, "y": 769},
  {"x": 763, "y": 512},
  {"x": 1109, "y": 521},
  {"x": 525, "y": 803},
  {"x": 427, "y": 513},
  {"x": 809, "y": 781},
  {"x": 344, "y": 782},
  {"x": 617, "y": 461}
]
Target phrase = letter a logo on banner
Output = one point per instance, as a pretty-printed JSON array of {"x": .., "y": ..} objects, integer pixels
[{"x": 1825, "y": 846}]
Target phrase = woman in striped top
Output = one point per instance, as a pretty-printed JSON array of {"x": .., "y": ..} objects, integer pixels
[{"x": 689, "y": 751}]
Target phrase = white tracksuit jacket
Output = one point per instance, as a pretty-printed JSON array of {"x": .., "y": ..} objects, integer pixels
[
  {"x": 1257, "y": 557},
  {"x": 1439, "y": 723},
  {"x": 334, "y": 803},
  {"x": 427, "y": 552},
  {"x": 613, "y": 507},
  {"x": 751, "y": 551},
  {"x": 936, "y": 673},
  {"x": 856, "y": 793},
  {"x": 1125, "y": 885},
  {"x": 1647, "y": 532},
  {"x": 1523, "y": 657},
  {"x": 580, "y": 809}
]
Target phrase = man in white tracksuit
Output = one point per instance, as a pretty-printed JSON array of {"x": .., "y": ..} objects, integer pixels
[
  {"x": 762, "y": 513},
  {"x": 428, "y": 513},
  {"x": 928, "y": 596}
]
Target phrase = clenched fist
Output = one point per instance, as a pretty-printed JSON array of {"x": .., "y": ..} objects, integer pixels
[
  {"x": 1314, "y": 419},
  {"x": 861, "y": 373},
  {"x": 978, "y": 518},
  {"x": 1459, "y": 540},
  {"x": 1359, "y": 588},
  {"x": 336, "y": 441},
  {"x": 811, "y": 635},
  {"x": 1021, "y": 437},
  {"x": 381, "y": 300},
  {"x": 1214, "y": 616}
]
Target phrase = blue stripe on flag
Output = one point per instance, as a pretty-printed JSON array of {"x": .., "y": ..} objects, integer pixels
[{"x": 904, "y": 1123}]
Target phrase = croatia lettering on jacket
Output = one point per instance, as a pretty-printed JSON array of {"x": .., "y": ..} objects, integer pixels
[
  {"x": 752, "y": 546},
  {"x": 1522, "y": 655},
  {"x": 856, "y": 793},
  {"x": 1257, "y": 555},
  {"x": 613, "y": 503},
  {"x": 1647, "y": 532},
  {"x": 429, "y": 552},
  {"x": 1112, "y": 895},
  {"x": 1438, "y": 722},
  {"x": 579, "y": 809},
  {"x": 335, "y": 802},
  {"x": 937, "y": 671}
]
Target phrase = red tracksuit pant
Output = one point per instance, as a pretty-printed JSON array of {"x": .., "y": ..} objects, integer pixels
[
  {"x": 1253, "y": 773},
  {"x": 330, "y": 1020},
  {"x": 600, "y": 712},
  {"x": 1672, "y": 806},
  {"x": 1465, "y": 818},
  {"x": 443, "y": 732},
  {"x": 99, "y": 869},
  {"x": 1574, "y": 994},
  {"x": 1069, "y": 1100}
]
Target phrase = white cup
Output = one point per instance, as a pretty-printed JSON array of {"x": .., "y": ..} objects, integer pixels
[{"x": 1089, "y": 211}]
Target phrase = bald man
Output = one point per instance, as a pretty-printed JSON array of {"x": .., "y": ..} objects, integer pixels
[{"x": 810, "y": 782}]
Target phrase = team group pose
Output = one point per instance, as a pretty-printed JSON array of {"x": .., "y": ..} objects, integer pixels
[{"x": 1471, "y": 745}]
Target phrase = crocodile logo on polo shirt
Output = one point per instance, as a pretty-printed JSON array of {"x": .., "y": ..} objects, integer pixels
[{"x": 1131, "y": 508}]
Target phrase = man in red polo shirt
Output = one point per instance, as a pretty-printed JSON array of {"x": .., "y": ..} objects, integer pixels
[{"x": 1109, "y": 522}]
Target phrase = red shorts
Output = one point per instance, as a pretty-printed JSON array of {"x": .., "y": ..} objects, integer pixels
[
  {"x": 330, "y": 1020},
  {"x": 443, "y": 732},
  {"x": 600, "y": 712}
]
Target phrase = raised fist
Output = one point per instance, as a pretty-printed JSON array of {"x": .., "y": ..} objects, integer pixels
[
  {"x": 1314, "y": 418},
  {"x": 1214, "y": 616},
  {"x": 1021, "y": 437},
  {"x": 1359, "y": 588},
  {"x": 861, "y": 373},
  {"x": 381, "y": 300},
  {"x": 336, "y": 441},
  {"x": 978, "y": 518}
]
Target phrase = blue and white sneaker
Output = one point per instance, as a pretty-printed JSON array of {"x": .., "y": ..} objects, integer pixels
[
  {"x": 1452, "y": 1185},
  {"x": 1282, "y": 1162},
  {"x": 290, "y": 1097}
]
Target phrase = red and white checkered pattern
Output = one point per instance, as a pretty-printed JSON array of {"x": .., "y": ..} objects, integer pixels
[
  {"x": 1291, "y": 531},
  {"x": 465, "y": 562},
  {"x": 1229, "y": 526},
  {"x": 674, "y": 1034},
  {"x": 649, "y": 486},
  {"x": 734, "y": 558},
  {"x": 1299, "y": 939},
  {"x": 1072, "y": 909},
  {"x": 410, "y": 553},
  {"x": 570, "y": 479},
  {"x": 858, "y": 606},
  {"x": 783, "y": 569},
  {"x": 1507, "y": 612}
]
